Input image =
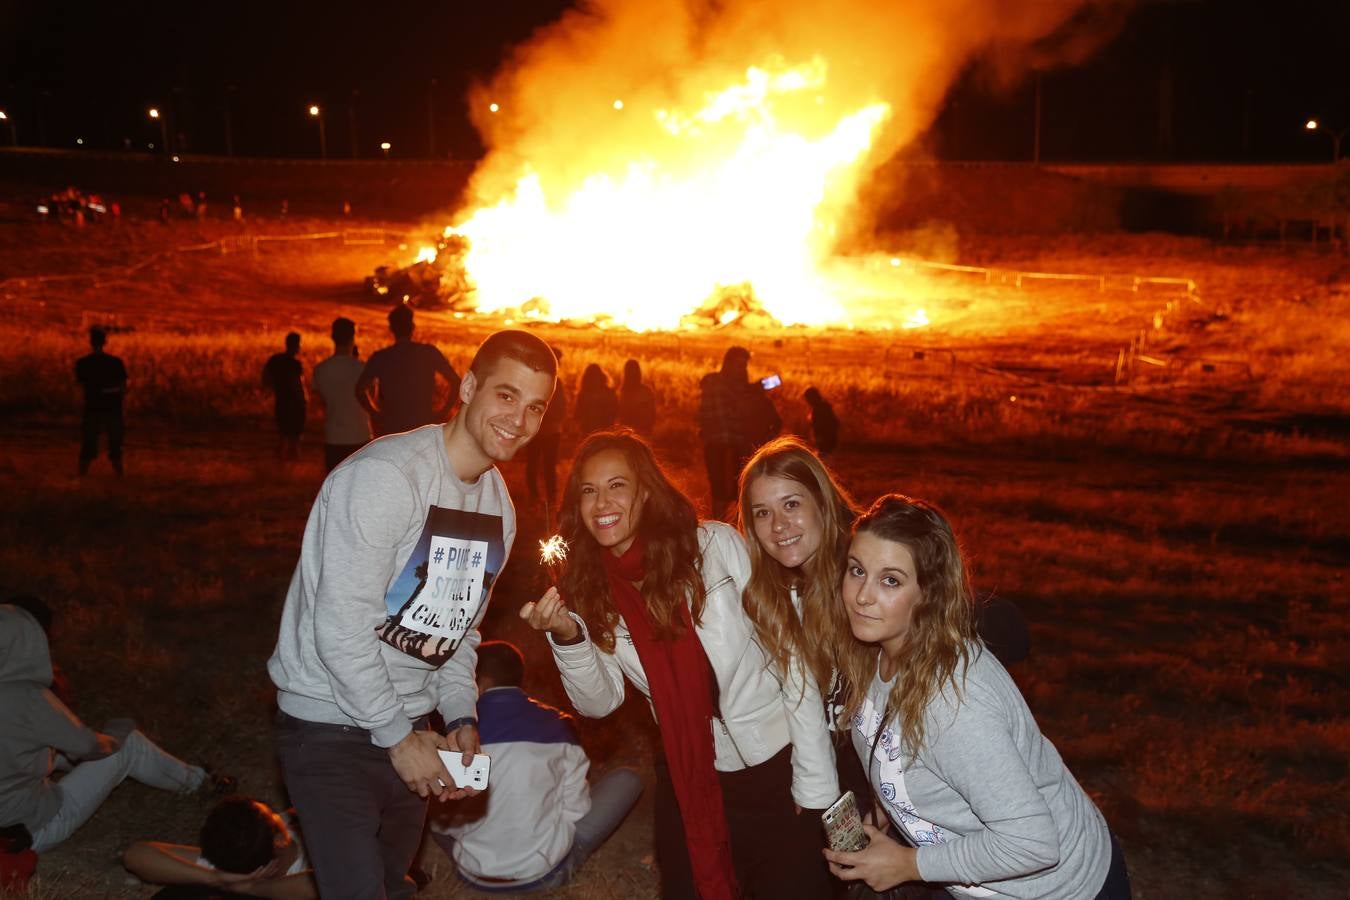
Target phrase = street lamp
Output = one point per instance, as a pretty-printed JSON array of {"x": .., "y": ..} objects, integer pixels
[
  {"x": 229, "y": 122},
  {"x": 13, "y": 141},
  {"x": 384, "y": 148},
  {"x": 155, "y": 114},
  {"x": 317, "y": 114},
  {"x": 1336, "y": 137}
]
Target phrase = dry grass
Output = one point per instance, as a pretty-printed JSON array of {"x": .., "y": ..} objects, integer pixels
[{"x": 1178, "y": 549}]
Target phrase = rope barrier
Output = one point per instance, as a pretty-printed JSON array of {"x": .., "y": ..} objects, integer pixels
[
  {"x": 232, "y": 243},
  {"x": 1017, "y": 276},
  {"x": 931, "y": 359}
]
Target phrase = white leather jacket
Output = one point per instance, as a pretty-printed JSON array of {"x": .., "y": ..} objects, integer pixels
[{"x": 760, "y": 715}]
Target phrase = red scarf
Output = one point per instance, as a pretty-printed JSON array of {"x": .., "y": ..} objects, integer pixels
[{"x": 681, "y": 685}]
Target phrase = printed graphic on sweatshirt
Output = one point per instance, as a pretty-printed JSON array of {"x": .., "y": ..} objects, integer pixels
[
  {"x": 444, "y": 584},
  {"x": 887, "y": 774}
]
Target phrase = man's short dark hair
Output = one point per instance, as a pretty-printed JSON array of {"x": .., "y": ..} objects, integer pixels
[
  {"x": 344, "y": 330},
  {"x": 97, "y": 337},
  {"x": 292, "y": 340},
  {"x": 502, "y": 663},
  {"x": 239, "y": 835},
  {"x": 401, "y": 320},
  {"x": 521, "y": 346}
]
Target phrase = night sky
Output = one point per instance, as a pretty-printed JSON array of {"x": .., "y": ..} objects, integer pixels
[{"x": 1185, "y": 80}]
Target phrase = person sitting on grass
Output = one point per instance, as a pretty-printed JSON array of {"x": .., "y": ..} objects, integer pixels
[
  {"x": 247, "y": 849},
  {"x": 539, "y": 820},
  {"x": 39, "y": 736}
]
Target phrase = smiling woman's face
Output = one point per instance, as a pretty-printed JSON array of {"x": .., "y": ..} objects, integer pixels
[
  {"x": 786, "y": 519},
  {"x": 611, "y": 500}
]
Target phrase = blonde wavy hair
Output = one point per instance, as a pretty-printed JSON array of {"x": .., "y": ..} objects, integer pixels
[
  {"x": 823, "y": 627},
  {"x": 942, "y": 625}
]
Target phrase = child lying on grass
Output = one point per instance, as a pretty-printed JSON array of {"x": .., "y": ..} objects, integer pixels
[{"x": 247, "y": 849}]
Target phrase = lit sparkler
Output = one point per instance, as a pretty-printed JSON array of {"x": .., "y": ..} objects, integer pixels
[{"x": 552, "y": 554}]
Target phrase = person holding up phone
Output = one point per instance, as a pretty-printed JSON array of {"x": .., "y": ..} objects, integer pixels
[
  {"x": 655, "y": 599},
  {"x": 951, "y": 750},
  {"x": 735, "y": 416}
]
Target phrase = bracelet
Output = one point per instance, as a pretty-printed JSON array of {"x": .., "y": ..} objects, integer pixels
[
  {"x": 460, "y": 723},
  {"x": 581, "y": 636}
]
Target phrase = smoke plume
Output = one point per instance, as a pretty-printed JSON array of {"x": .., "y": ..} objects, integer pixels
[
  {"x": 646, "y": 156},
  {"x": 555, "y": 93}
]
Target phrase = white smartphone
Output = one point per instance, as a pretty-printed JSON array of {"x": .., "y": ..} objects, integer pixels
[
  {"x": 843, "y": 825},
  {"x": 475, "y": 775},
  {"x": 771, "y": 381}
]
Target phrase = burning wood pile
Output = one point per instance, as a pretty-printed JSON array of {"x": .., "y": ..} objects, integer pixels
[
  {"x": 731, "y": 305},
  {"x": 437, "y": 279}
]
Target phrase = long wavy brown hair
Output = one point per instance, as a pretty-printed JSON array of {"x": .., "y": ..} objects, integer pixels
[
  {"x": 942, "y": 625},
  {"x": 669, "y": 526},
  {"x": 823, "y": 628}
]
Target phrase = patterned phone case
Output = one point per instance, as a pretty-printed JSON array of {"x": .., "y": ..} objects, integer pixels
[{"x": 843, "y": 825}]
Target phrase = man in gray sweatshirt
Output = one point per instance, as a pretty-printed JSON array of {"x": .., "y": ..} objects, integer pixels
[{"x": 381, "y": 619}]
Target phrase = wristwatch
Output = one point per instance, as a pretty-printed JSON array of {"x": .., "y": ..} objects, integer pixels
[{"x": 460, "y": 723}]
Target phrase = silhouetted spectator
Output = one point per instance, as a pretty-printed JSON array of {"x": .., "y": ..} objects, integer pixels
[
  {"x": 104, "y": 380},
  {"x": 824, "y": 423},
  {"x": 346, "y": 428},
  {"x": 541, "y": 454},
  {"x": 285, "y": 377},
  {"x": 398, "y": 385},
  {"x": 637, "y": 403},
  {"x": 735, "y": 416},
  {"x": 597, "y": 405},
  {"x": 165, "y": 211}
]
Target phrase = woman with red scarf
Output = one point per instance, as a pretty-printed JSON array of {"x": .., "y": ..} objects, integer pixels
[{"x": 655, "y": 598}]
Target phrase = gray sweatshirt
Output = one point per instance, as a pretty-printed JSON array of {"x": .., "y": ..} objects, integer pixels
[
  {"x": 989, "y": 803},
  {"x": 33, "y": 722},
  {"x": 394, "y": 541}
]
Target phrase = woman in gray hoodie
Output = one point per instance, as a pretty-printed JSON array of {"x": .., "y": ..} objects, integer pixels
[
  {"x": 981, "y": 800},
  {"x": 34, "y": 723}
]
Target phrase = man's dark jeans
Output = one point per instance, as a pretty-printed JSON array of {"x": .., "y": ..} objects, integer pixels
[{"x": 362, "y": 825}]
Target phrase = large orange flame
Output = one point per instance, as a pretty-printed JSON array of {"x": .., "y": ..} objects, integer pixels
[{"x": 743, "y": 193}]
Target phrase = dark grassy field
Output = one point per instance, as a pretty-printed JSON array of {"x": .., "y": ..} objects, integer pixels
[{"x": 1179, "y": 547}]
